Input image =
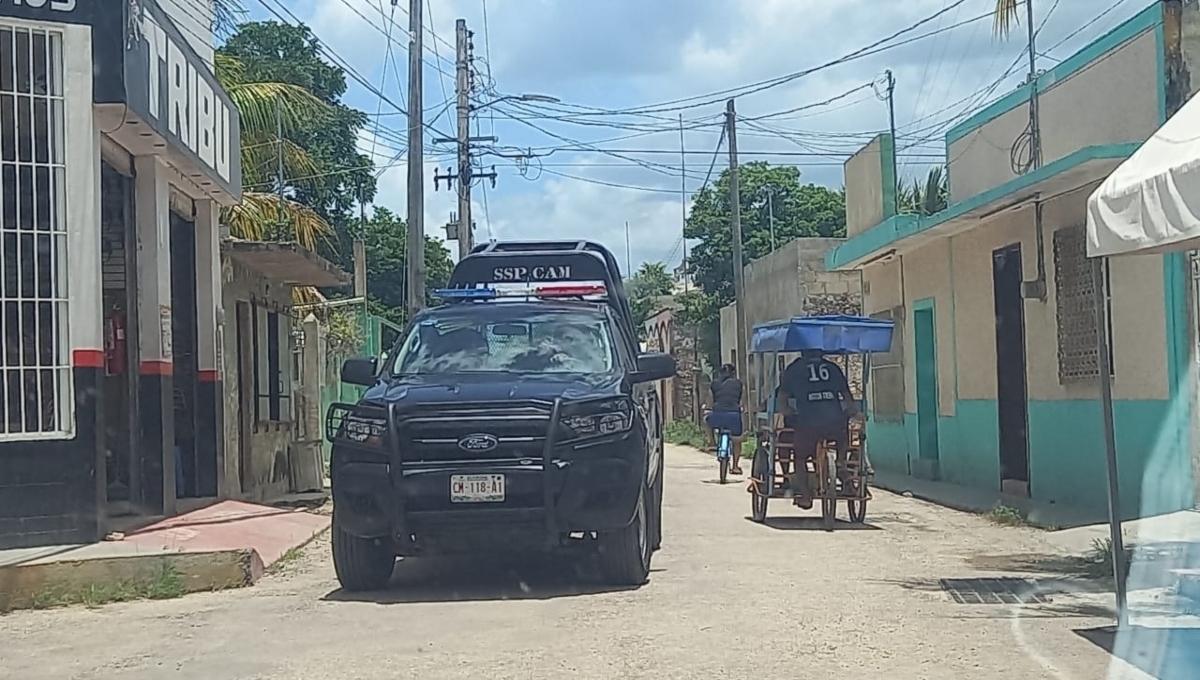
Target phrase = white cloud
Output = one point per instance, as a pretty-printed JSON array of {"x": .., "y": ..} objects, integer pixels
[{"x": 631, "y": 52}]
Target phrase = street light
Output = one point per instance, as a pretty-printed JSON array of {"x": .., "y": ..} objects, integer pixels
[{"x": 543, "y": 98}]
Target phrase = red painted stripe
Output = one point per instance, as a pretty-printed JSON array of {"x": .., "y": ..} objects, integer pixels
[
  {"x": 87, "y": 358},
  {"x": 208, "y": 375},
  {"x": 157, "y": 367}
]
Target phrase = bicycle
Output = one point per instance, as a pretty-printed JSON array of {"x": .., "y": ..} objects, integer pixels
[{"x": 724, "y": 453}]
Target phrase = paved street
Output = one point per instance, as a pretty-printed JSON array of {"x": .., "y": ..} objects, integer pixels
[{"x": 727, "y": 599}]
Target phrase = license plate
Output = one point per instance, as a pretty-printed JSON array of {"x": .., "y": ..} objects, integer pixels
[{"x": 476, "y": 488}]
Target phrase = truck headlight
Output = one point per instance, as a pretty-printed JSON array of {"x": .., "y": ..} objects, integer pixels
[
  {"x": 367, "y": 431},
  {"x": 610, "y": 418}
]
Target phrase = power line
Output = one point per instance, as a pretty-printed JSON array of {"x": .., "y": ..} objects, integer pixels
[{"x": 683, "y": 103}]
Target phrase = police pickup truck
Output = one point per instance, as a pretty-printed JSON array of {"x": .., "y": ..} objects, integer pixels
[{"x": 517, "y": 416}]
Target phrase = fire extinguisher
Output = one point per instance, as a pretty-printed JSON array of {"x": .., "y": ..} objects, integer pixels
[{"x": 114, "y": 344}]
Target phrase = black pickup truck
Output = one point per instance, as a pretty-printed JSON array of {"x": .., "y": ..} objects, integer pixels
[{"x": 518, "y": 416}]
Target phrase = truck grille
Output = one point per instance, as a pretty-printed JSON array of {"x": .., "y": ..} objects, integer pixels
[{"x": 434, "y": 437}]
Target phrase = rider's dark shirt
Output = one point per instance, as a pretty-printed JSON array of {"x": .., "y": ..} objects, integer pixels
[
  {"x": 727, "y": 394},
  {"x": 817, "y": 385}
]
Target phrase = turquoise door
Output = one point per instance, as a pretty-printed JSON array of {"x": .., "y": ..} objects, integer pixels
[{"x": 925, "y": 350}]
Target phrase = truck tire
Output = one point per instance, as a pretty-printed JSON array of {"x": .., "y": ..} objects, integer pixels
[
  {"x": 361, "y": 564},
  {"x": 625, "y": 553},
  {"x": 656, "y": 508}
]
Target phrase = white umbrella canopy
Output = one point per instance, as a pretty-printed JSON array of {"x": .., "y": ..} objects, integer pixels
[{"x": 1151, "y": 202}]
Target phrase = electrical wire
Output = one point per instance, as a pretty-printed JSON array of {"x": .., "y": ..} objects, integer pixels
[{"x": 684, "y": 103}]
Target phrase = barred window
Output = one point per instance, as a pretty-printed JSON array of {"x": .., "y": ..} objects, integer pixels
[
  {"x": 35, "y": 377},
  {"x": 1075, "y": 308}
]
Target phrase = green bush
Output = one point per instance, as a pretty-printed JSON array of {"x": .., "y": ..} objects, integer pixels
[{"x": 685, "y": 433}]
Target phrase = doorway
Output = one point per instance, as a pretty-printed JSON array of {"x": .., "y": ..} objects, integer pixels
[
  {"x": 925, "y": 356},
  {"x": 119, "y": 384},
  {"x": 196, "y": 467},
  {"x": 1012, "y": 397}
]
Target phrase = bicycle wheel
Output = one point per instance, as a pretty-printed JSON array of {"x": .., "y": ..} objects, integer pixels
[
  {"x": 760, "y": 470},
  {"x": 724, "y": 463},
  {"x": 829, "y": 497}
]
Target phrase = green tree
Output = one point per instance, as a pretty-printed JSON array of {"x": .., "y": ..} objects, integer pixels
[
  {"x": 807, "y": 210},
  {"x": 645, "y": 288},
  {"x": 274, "y": 60},
  {"x": 384, "y": 236}
]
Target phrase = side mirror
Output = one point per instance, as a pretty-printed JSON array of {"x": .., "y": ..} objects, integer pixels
[
  {"x": 654, "y": 366},
  {"x": 360, "y": 371}
]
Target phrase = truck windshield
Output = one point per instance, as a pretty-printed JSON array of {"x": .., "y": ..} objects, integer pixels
[{"x": 507, "y": 338}]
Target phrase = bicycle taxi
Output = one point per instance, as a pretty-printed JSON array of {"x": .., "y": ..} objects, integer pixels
[{"x": 775, "y": 456}]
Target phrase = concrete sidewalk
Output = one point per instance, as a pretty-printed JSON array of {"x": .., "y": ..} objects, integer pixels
[
  {"x": 968, "y": 499},
  {"x": 227, "y": 544}
]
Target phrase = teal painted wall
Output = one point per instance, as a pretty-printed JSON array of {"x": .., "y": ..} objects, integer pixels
[{"x": 1066, "y": 452}]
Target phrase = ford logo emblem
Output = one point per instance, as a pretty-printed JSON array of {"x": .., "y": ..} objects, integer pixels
[{"x": 478, "y": 443}]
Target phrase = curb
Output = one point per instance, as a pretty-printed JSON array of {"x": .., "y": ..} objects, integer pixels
[{"x": 40, "y": 584}]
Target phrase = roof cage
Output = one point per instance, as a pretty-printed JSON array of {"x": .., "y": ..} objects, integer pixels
[{"x": 540, "y": 262}]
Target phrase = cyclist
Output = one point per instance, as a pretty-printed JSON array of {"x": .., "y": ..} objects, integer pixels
[
  {"x": 823, "y": 409},
  {"x": 728, "y": 392}
]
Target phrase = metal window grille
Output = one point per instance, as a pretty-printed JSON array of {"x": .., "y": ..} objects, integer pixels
[
  {"x": 1075, "y": 307},
  {"x": 36, "y": 398}
]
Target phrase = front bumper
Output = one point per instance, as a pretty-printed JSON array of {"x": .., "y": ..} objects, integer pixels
[{"x": 576, "y": 486}]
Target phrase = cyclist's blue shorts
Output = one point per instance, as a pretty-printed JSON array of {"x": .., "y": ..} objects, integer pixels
[{"x": 730, "y": 421}]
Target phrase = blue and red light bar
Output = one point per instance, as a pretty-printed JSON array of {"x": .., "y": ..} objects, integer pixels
[{"x": 573, "y": 290}]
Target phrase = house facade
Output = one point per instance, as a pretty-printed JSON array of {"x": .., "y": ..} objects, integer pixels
[
  {"x": 993, "y": 378},
  {"x": 118, "y": 150}
]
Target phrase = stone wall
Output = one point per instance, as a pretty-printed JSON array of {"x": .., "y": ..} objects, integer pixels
[
  {"x": 666, "y": 333},
  {"x": 792, "y": 281}
]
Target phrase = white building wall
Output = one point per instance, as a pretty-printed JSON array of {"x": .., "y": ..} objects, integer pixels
[{"x": 1113, "y": 100}]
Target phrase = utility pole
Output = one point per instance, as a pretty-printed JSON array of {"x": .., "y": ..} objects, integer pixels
[
  {"x": 628, "y": 258},
  {"x": 360, "y": 249},
  {"x": 466, "y": 227},
  {"x": 279, "y": 162},
  {"x": 891, "y": 104},
  {"x": 415, "y": 278},
  {"x": 461, "y": 227},
  {"x": 769, "y": 191},
  {"x": 735, "y": 205},
  {"x": 1035, "y": 133},
  {"x": 683, "y": 201}
]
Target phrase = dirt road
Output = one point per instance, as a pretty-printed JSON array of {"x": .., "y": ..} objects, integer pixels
[{"x": 727, "y": 599}]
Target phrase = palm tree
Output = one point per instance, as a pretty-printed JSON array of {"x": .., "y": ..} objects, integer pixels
[
  {"x": 263, "y": 110},
  {"x": 1006, "y": 15}
]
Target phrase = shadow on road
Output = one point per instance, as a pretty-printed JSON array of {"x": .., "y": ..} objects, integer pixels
[
  {"x": 1164, "y": 653},
  {"x": 455, "y": 579},
  {"x": 793, "y": 523}
]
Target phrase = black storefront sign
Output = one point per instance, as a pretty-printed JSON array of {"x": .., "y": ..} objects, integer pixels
[
  {"x": 141, "y": 59},
  {"x": 170, "y": 87},
  {"x": 59, "y": 11}
]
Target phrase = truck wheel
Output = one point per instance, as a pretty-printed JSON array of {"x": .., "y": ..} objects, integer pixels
[
  {"x": 656, "y": 510},
  {"x": 625, "y": 553},
  {"x": 360, "y": 563}
]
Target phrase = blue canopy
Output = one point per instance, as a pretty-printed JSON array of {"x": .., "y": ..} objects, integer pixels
[{"x": 834, "y": 334}]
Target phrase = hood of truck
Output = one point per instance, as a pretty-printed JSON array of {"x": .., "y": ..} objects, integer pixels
[{"x": 501, "y": 388}]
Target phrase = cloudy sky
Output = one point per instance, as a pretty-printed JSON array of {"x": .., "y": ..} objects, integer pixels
[{"x": 598, "y": 170}]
